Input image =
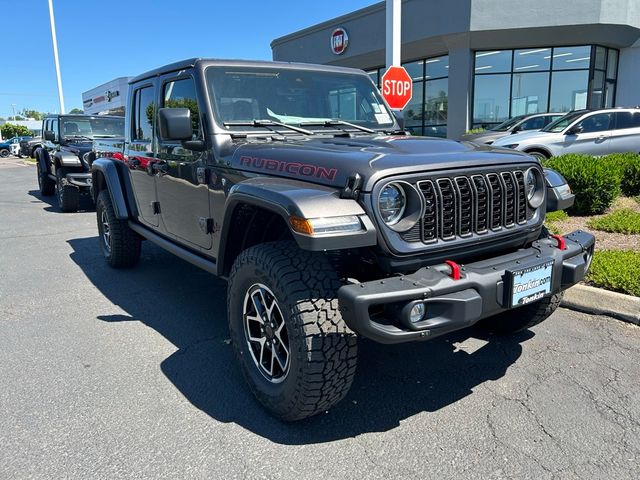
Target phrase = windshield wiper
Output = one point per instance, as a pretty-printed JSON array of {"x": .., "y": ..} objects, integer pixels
[
  {"x": 335, "y": 122},
  {"x": 268, "y": 124},
  {"x": 77, "y": 137}
]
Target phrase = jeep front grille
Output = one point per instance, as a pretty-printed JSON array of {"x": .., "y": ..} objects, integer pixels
[{"x": 463, "y": 206}]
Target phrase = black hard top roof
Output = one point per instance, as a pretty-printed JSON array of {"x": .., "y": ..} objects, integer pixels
[
  {"x": 192, "y": 62},
  {"x": 78, "y": 115}
]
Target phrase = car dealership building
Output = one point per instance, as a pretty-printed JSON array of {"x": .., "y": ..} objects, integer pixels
[{"x": 478, "y": 62}]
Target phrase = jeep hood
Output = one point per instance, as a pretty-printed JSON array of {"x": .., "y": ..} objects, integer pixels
[{"x": 331, "y": 161}]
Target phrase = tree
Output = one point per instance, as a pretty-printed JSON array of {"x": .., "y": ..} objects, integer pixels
[
  {"x": 10, "y": 130},
  {"x": 36, "y": 115},
  {"x": 76, "y": 111}
]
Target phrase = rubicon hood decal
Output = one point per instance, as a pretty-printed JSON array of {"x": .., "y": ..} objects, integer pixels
[{"x": 331, "y": 161}]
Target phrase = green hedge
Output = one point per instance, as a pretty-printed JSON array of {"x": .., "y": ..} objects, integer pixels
[
  {"x": 594, "y": 181},
  {"x": 616, "y": 270},
  {"x": 624, "y": 220}
]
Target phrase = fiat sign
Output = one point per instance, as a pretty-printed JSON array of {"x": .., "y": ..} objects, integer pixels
[
  {"x": 339, "y": 41},
  {"x": 397, "y": 87}
]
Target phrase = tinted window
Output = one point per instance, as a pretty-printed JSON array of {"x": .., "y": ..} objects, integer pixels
[
  {"x": 535, "y": 123},
  {"x": 182, "y": 94},
  {"x": 491, "y": 98},
  {"x": 627, "y": 120},
  {"x": 493, "y": 61},
  {"x": 54, "y": 127},
  {"x": 570, "y": 58},
  {"x": 143, "y": 115},
  {"x": 596, "y": 123}
]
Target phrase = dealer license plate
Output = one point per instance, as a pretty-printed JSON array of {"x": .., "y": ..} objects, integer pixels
[{"x": 531, "y": 283}]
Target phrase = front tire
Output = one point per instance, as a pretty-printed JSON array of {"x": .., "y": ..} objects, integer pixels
[
  {"x": 295, "y": 351},
  {"x": 4, "y": 153},
  {"x": 119, "y": 244},
  {"x": 68, "y": 195}
]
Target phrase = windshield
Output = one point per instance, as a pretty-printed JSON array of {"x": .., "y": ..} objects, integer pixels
[
  {"x": 92, "y": 127},
  {"x": 506, "y": 125},
  {"x": 563, "y": 122},
  {"x": 294, "y": 97}
]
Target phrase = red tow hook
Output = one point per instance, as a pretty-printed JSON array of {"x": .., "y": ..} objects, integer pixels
[
  {"x": 560, "y": 241},
  {"x": 455, "y": 269}
]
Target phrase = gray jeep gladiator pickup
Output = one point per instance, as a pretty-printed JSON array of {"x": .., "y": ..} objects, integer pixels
[
  {"x": 296, "y": 184},
  {"x": 65, "y": 154}
]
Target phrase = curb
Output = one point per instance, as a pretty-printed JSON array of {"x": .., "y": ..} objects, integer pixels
[{"x": 584, "y": 298}]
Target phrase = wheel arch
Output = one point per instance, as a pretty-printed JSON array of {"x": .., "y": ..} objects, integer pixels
[{"x": 105, "y": 176}]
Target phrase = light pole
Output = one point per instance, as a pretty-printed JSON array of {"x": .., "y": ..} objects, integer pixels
[
  {"x": 393, "y": 32},
  {"x": 55, "y": 55},
  {"x": 13, "y": 107}
]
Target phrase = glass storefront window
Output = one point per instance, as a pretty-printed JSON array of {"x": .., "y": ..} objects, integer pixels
[
  {"x": 531, "y": 60},
  {"x": 436, "y": 101},
  {"x": 612, "y": 65},
  {"x": 571, "y": 58},
  {"x": 568, "y": 91},
  {"x": 437, "y": 67},
  {"x": 415, "y": 70},
  {"x": 597, "y": 88},
  {"x": 529, "y": 93},
  {"x": 413, "y": 112},
  {"x": 493, "y": 61},
  {"x": 491, "y": 98},
  {"x": 600, "y": 60}
]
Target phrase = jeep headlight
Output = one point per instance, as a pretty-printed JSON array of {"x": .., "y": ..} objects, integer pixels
[
  {"x": 392, "y": 203},
  {"x": 534, "y": 187}
]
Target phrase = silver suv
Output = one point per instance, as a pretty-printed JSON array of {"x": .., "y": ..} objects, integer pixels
[
  {"x": 594, "y": 132},
  {"x": 514, "y": 125}
]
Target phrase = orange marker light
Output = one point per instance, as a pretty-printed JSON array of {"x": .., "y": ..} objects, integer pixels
[{"x": 301, "y": 225}]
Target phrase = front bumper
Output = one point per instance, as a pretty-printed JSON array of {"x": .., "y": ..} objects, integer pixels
[
  {"x": 375, "y": 309},
  {"x": 82, "y": 180}
]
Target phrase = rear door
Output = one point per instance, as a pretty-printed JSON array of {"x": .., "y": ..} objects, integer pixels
[
  {"x": 594, "y": 138},
  {"x": 181, "y": 182},
  {"x": 139, "y": 152},
  {"x": 626, "y": 135}
]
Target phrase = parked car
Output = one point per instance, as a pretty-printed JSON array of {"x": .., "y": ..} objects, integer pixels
[
  {"x": 327, "y": 220},
  {"x": 10, "y": 146},
  {"x": 521, "y": 123},
  {"x": 28, "y": 146},
  {"x": 594, "y": 132},
  {"x": 64, "y": 159}
]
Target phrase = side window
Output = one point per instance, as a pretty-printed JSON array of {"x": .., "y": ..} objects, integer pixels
[
  {"x": 535, "y": 123},
  {"x": 54, "y": 127},
  {"x": 142, "y": 123},
  {"x": 627, "y": 120},
  {"x": 596, "y": 123},
  {"x": 182, "y": 94}
]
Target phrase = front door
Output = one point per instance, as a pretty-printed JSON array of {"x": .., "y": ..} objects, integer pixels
[
  {"x": 594, "y": 136},
  {"x": 140, "y": 155},
  {"x": 183, "y": 192}
]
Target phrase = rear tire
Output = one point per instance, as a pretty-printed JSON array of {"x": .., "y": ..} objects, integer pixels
[
  {"x": 4, "y": 153},
  {"x": 46, "y": 186},
  {"x": 68, "y": 195},
  {"x": 523, "y": 318},
  {"x": 315, "y": 355},
  {"x": 119, "y": 244}
]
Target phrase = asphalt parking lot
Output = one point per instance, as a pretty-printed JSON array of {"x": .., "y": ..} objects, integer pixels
[{"x": 118, "y": 374}]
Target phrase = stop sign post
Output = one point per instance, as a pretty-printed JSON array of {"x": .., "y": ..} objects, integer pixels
[{"x": 397, "y": 87}]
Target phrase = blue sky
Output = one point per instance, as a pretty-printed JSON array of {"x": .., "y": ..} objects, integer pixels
[{"x": 102, "y": 40}]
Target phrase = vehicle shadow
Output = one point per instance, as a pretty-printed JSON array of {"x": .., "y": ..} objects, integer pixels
[
  {"x": 187, "y": 306},
  {"x": 86, "y": 202}
]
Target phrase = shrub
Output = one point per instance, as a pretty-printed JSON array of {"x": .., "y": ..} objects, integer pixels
[
  {"x": 630, "y": 182},
  {"x": 595, "y": 183},
  {"x": 616, "y": 270},
  {"x": 624, "y": 220},
  {"x": 556, "y": 216}
]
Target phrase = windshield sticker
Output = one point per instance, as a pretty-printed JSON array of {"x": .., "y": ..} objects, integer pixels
[
  {"x": 383, "y": 118},
  {"x": 294, "y": 168}
]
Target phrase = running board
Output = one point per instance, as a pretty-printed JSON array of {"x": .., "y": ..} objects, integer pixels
[{"x": 208, "y": 265}]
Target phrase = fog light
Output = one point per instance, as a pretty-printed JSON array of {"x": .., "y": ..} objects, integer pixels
[{"x": 417, "y": 312}]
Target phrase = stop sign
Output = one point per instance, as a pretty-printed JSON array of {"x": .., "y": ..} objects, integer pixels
[{"x": 397, "y": 87}]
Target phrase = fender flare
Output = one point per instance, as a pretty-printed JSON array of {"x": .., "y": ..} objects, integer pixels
[
  {"x": 288, "y": 198},
  {"x": 105, "y": 169},
  {"x": 41, "y": 157}
]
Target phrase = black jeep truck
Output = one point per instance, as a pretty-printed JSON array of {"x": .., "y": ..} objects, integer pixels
[
  {"x": 65, "y": 154},
  {"x": 296, "y": 184}
]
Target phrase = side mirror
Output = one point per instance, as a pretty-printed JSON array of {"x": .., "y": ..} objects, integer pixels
[
  {"x": 516, "y": 129},
  {"x": 49, "y": 135},
  {"x": 399, "y": 118},
  {"x": 574, "y": 130},
  {"x": 175, "y": 124}
]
